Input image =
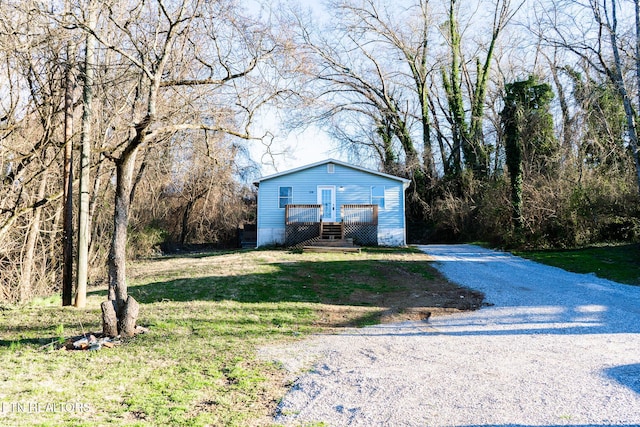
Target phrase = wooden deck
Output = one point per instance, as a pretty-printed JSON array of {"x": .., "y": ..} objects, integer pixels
[{"x": 305, "y": 229}]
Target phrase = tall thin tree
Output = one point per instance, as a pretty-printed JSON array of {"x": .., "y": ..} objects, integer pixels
[
  {"x": 85, "y": 159},
  {"x": 67, "y": 233}
]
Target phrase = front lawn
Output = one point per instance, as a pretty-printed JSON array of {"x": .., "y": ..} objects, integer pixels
[
  {"x": 618, "y": 263},
  {"x": 207, "y": 315}
]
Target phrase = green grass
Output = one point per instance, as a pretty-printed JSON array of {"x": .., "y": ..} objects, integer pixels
[
  {"x": 618, "y": 263},
  {"x": 198, "y": 364}
]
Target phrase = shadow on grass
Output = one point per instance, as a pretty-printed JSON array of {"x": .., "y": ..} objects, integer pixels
[
  {"x": 195, "y": 254},
  {"x": 360, "y": 283},
  {"x": 371, "y": 285},
  {"x": 275, "y": 295},
  {"x": 17, "y": 343}
]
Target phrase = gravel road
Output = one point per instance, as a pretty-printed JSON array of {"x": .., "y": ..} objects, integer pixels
[{"x": 555, "y": 348}]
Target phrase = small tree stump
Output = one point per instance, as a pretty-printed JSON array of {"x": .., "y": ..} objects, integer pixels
[
  {"x": 128, "y": 317},
  {"x": 109, "y": 319}
]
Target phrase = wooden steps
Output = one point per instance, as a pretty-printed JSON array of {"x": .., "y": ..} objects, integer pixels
[
  {"x": 331, "y": 245},
  {"x": 354, "y": 249},
  {"x": 330, "y": 240},
  {"x": 331, "y": 230}
]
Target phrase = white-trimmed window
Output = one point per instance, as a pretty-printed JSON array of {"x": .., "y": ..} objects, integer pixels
[
  {"x": 377, "y": 195},
  {"x": 285, "y": 197}
]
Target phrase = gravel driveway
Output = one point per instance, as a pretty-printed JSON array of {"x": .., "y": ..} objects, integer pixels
[{"x": 555, "y": 348}]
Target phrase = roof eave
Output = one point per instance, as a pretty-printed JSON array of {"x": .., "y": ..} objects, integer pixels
[{"x": 406, "y": 182}]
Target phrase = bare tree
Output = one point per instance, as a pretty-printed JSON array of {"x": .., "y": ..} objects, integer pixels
[
  {"x": 67, "y": 222},
  {"x": 32, "y": 51},
  {"x": 467, "y": 132},
  {"x": 592, "y": 31},
  {"x": 190, "y": 193},
  {"x": 85, "y": 159},
  {"x": 374, "y": 67},
  {"x": 185, "y": 50}
]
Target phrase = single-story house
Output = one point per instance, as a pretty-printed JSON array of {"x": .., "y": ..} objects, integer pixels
[{"x": 364, "y": 205}]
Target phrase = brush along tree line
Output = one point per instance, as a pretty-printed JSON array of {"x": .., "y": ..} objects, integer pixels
[{"x": 125, "y": 124}]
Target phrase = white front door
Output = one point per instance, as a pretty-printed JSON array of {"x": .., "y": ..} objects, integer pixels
[{"x": 327, "y": 198}]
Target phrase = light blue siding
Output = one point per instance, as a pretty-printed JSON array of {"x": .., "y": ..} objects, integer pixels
[{"x": 352, "y": 186}]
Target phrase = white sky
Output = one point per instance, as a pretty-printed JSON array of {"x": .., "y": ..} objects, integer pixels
[
  {"x": 293, "y": 150},
  {"x": 313, "y": 145},
  {"x": 296, "y": 148}
]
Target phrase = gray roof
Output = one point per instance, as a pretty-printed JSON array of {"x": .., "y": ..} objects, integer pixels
[{"x": 405, "y": 181}]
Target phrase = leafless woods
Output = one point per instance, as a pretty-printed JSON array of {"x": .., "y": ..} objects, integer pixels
[{"x": 125, "y": 123}]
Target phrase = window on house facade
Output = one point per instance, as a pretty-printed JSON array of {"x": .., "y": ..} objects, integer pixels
[
  {"x": 286, "y": 197},
  {"x": 377, "y": 196}
]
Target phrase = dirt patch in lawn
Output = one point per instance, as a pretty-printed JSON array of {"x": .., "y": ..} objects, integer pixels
[
  {"x": 376, "y": 286},
  {"x": 413, "y": 298}
]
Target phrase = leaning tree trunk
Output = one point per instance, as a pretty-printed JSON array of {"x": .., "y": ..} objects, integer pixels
[
  {"x": 618, "y": 80},
  {"x": 616, "y": 76},
  {"x": 634, "y": 136},
  {"x": 125, "y": 166},
  {"x": 185, "y": 222},
  {"x": 109, "y": 318},
  {"x": 118, "y": 294},
  {"x": 28, "y": 261}
]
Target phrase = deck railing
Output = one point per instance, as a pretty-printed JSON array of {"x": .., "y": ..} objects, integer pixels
[
  {"x": 302, "y": 214},
  {"x": 350, "y": 214},
  {"x": 359, "y": 214},
  {"x": 358, "y": 222}
]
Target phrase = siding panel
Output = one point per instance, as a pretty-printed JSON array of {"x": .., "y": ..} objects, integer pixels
[{"x": 352, "y": 186}]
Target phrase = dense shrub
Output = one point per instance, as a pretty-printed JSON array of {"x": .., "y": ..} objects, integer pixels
[{"x": 564, "y": 211}]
